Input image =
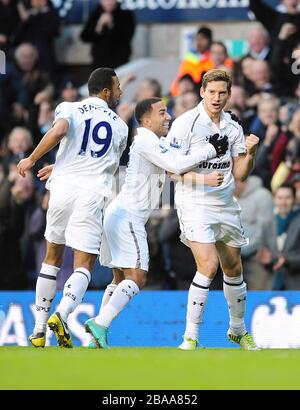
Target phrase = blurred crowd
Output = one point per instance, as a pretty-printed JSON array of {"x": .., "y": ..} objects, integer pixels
[{"x": 265, "y": 97}]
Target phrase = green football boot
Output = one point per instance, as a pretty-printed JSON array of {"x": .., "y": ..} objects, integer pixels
[
  {"x": 245, "y": 341},
  {"x": 93, "y": 344},
  {"x": 98, "y": 332},
  {"x": 188, "y": 344}
]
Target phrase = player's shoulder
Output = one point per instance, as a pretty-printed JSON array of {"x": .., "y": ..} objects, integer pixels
[
  {"x": 63, "y": 106},
  {"x": 143, "y": 139},
  {"x": 187, "y": 118},
  {"x": 232, "y": 120}
]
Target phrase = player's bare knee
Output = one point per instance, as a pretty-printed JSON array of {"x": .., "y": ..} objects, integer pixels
[
  {"x": 233, "y": 270},
  {"x": 208, "y": 269},
  {"x": 139, "y": 276}
]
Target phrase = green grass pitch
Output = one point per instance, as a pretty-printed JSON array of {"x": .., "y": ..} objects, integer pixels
[{"x": 147, "y": 368}]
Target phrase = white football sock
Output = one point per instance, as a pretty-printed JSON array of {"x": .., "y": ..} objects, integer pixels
[
  {"x": 107, "y": 295},
  {"x": 197, "y": 299},
  {"x": 235, "y": 291},
  {"x": 45, "y": 293},
  {"x": 123, "y": 293},
  {"x": 74, "y": 290}
]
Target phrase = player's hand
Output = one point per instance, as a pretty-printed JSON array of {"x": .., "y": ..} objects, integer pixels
[
  {"x": 220, "y": 144},
  {"x": 252, "y": 142},
  {"x": 25, "y": 165},
  {"x": 45, "y": 172},
  {"x": 215, "y": 178}
]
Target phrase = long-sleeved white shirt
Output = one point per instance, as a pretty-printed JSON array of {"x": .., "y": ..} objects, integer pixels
[{"x": 145, "y": 174}]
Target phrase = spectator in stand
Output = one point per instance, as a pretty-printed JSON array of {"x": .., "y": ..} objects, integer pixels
[
  {"x": 69, "y": 90},
  {"x": 267, "y": 115},
  {"x": 13, "y": 100},
  {"x": 238, "y": 100},
  {"x": 267, "y": 127},
  {"x": 256, "y": 203},
  {"x": 284, "y": 29},
  {"x": 196, "y": 62},
  {"x": 15, "y": 192},
  {"x": 33, "y": 77},
  {"x": 261, "y": 82},
  {"x": 295, "y": 181},
  {"x": 281, "y": 238},
  {"x": 19, "y": 143},
  {"x": 259, "y": 43},
  {"x": 285, "y": 66},
  {"x": 291, "y": 162},
  {"x": 219, "y": 56},
  {"x": 185, "y": 102},
  {"x": 40, "y": 25},
  {"x": 9, "y": 20},
  {"x": 274, "y": 21},
  {"x": 186, "y": 83},
  {"x": 36, "y": 81},
  {"x": 110, "y": 30}
]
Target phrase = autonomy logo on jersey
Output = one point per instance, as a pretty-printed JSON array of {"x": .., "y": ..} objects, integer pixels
[
  {"x": 63, "y": 6},
  {"x": 276, "y": 325}
]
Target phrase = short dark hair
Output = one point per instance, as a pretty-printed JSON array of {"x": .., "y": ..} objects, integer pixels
[
  {"x": 205, "y": 32},
  {"x": 288, "y": 185},
  {"x": 143, "y": 107},
  {"x": 101, "y": 78}
]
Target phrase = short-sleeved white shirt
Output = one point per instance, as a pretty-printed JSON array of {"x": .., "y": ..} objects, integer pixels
[
  {"x": 189, "y": 132},
  {"x": 88, "y": 156}
]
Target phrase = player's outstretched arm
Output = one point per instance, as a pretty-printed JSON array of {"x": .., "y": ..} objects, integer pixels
[
  {"x": 176, "y": 164},
  {"x": 49, "y": 141},
  {"x": 243, "y": 165}
]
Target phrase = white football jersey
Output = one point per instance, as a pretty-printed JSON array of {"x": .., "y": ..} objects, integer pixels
[
  {"x": 89, "y": 155},
  {"x": 145, "y": 173},
  {"x": 188, "y": 134}
]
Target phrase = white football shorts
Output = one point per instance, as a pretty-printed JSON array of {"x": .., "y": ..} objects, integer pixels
[
  {"x": 125, "y": 241},
  {"x": 211, "y": 224},
  {"x": 74, "y": 217}
]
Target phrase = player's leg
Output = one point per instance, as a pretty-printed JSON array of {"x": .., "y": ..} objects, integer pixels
[
  {"x": 74, "y": 290},
  {"x": 235, "y": 291},
  {"x": 128, "y": 247},
  {"x": 83, "y": 234},
  {"x": 118, "y": 276},
  {"x": 207, "y": 262},
  {"x": 126, "y": 290},
  {"x": 45, "y": 291}
]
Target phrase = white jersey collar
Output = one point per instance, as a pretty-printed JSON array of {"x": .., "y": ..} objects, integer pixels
[
  {"x": 143, "y": 130},
  {"x": 96, "y": 101},
  {"x": 206, "y": 119}
]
